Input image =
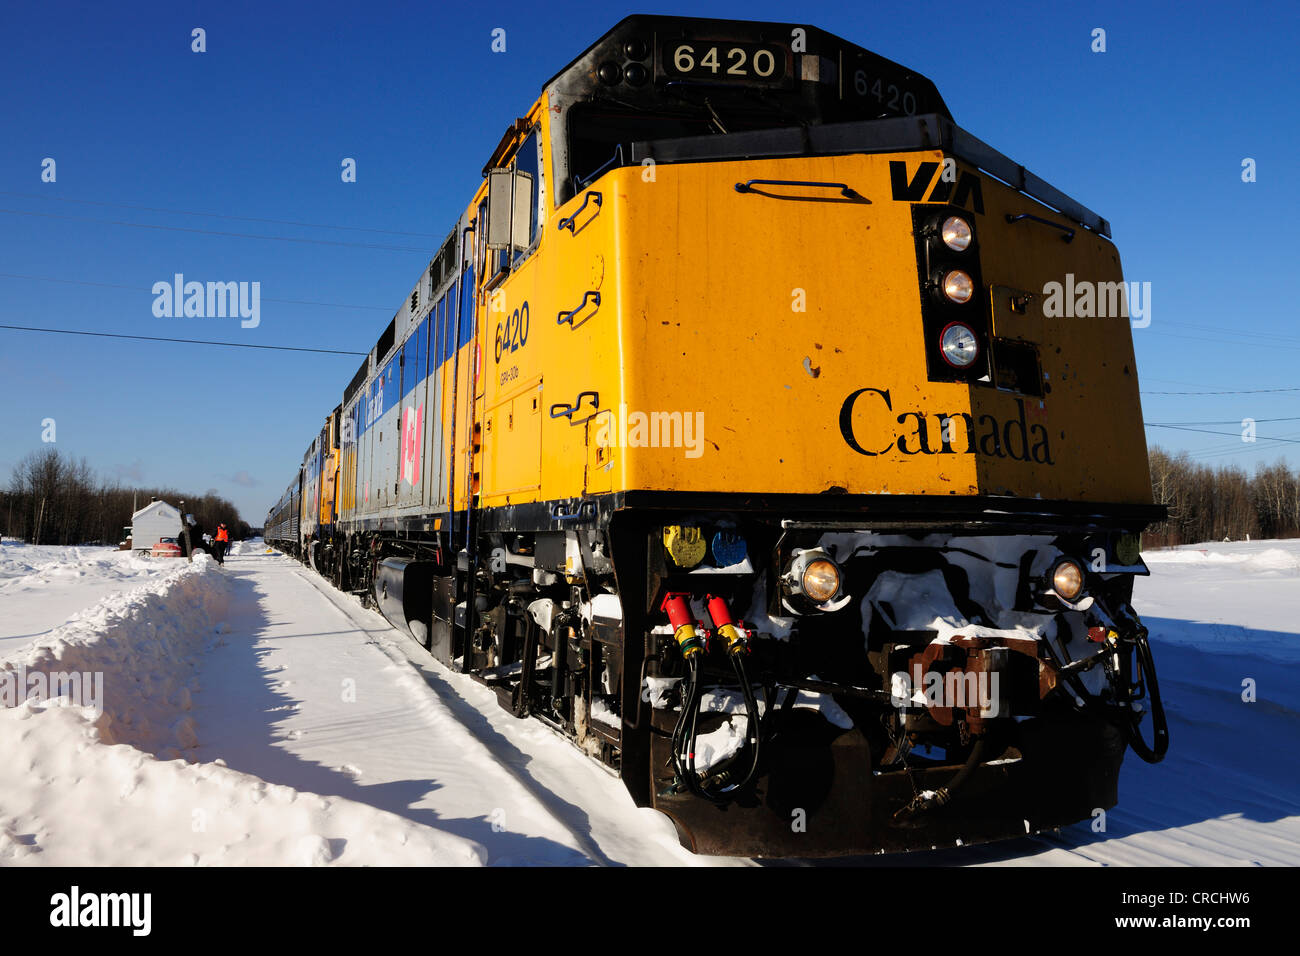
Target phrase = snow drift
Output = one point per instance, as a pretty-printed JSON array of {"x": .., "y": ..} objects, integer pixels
[{"x": 103, "y": 778}]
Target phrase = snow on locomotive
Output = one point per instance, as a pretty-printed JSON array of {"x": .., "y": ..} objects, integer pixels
[{"x": 728, "y": 434}]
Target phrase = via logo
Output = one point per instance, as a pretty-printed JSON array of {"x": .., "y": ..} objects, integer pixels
[{"x": 950, "y": 186}]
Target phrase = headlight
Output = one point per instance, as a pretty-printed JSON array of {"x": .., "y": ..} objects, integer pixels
[
  {"x": 1067, "y": 580},
  {"x": 958, "y": 345},
  {"x": 820, "y": 580},
  {"x": 814, "y": 581},
  {"x": 958, "y": 287},
  {"x": 956, "y": 233}
]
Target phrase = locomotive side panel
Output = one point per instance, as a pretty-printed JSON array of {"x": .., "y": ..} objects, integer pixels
[
  {"x": 383, "y": 475},
  {"x": 414, "y": 375},
  {"x": 435, "y": 451},
  {"x": 348, "y": 447},
  {"x": 552, "y": 340}
]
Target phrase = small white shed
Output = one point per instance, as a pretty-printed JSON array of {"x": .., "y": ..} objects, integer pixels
[{"x": 153, "y": 522}]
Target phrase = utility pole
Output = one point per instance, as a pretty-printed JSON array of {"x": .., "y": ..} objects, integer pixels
[{"x": 185, "y": 534}]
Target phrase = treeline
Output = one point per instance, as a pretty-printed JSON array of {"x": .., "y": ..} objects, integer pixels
[
  {"x": 1209, "y": 503},
  {"x": 53, "y": 499}
]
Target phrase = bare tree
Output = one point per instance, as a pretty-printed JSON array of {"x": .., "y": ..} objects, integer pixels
[{"x": 55, "y": 500}]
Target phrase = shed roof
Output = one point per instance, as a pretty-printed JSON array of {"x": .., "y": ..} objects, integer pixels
[{"x": 157, "y": 507}]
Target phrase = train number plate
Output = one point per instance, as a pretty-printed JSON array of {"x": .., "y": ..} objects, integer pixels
[{"x": 725, "y": 62}]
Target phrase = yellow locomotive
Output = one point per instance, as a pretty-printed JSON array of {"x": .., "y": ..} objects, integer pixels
[{"x": 728, "y": 434}]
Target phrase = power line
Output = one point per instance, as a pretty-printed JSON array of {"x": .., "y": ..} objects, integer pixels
[
  {"x": 217, "y": 215},
  {"x": 1240, "y": 391},
  {"x": 1235, "y": 448},
  {"x": 214, "y": 232},
  {"x": 132, "y": 288},
  {"x": 1271, "y": 346},
  {"x": 1272, "y": 336},
  {"x": 1174, "y": 381},
  {"x": 157, "y": 338},
  {"x": 1182, "y": 428},
  {"x": 1231, "y": 421}
]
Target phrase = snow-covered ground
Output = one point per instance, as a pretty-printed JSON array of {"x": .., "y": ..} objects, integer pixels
[
  {"x": 41, "y": 585},
  {"x": 252, "y": 715}
]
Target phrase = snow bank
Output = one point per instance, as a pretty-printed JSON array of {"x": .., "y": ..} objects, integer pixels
[
  {"x": 42, "y": 586},
  {"x": 96, "y": 778},
  {"x": 1262, "y": 561},
  {"x": 144, "y": 645},
  {"x": 24, "y": 566}
]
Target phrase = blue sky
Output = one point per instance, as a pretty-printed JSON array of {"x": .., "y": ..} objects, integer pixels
[{"x": 1151, "y": 134}]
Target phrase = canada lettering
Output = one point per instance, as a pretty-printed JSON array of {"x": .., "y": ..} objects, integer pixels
[{"x": 944, "y": 433}]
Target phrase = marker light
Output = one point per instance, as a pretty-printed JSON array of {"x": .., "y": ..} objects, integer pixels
[
  {"x": 1067, "y": 580},
  {"x": 958, "y": 287},
  {"x": 958, "y": 345},
  {"x": 956, "y": 233},
  {"x": 1128, "y": 549}
]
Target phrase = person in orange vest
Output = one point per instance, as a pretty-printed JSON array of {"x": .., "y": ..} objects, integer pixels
[{"x": 220, "y": 544}]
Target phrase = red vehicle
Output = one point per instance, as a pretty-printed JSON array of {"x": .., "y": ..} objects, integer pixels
[{"x": 166, "y": 548}]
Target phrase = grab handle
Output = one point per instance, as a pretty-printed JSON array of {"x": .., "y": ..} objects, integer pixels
[
  {"x": 568, "y": 221},
  {"x": 844, "y": 188},
  {"x": 561, "y": 410},
  {"x": 1069, "y": 233},
  {"x": 589, "y": 295}
]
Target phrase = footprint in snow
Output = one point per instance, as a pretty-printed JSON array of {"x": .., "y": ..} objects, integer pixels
[{"x": 316, "y": 850}]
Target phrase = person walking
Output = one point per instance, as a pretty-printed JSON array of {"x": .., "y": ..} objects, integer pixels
[{"x": 220, "y": 544}]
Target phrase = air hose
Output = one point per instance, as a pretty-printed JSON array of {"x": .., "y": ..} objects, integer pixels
[
  {"x": 717, "y": 784},
  {"x": 1159, "y": 723},
  {"x": 930, "y": 799},
  {"x": 1122, "y": 684}
]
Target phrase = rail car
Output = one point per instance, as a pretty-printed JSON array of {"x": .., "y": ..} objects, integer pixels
[{"x": 727, "y": 433}]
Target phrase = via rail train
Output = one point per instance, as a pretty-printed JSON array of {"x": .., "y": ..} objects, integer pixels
[{"x": 732, "y": 433}]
